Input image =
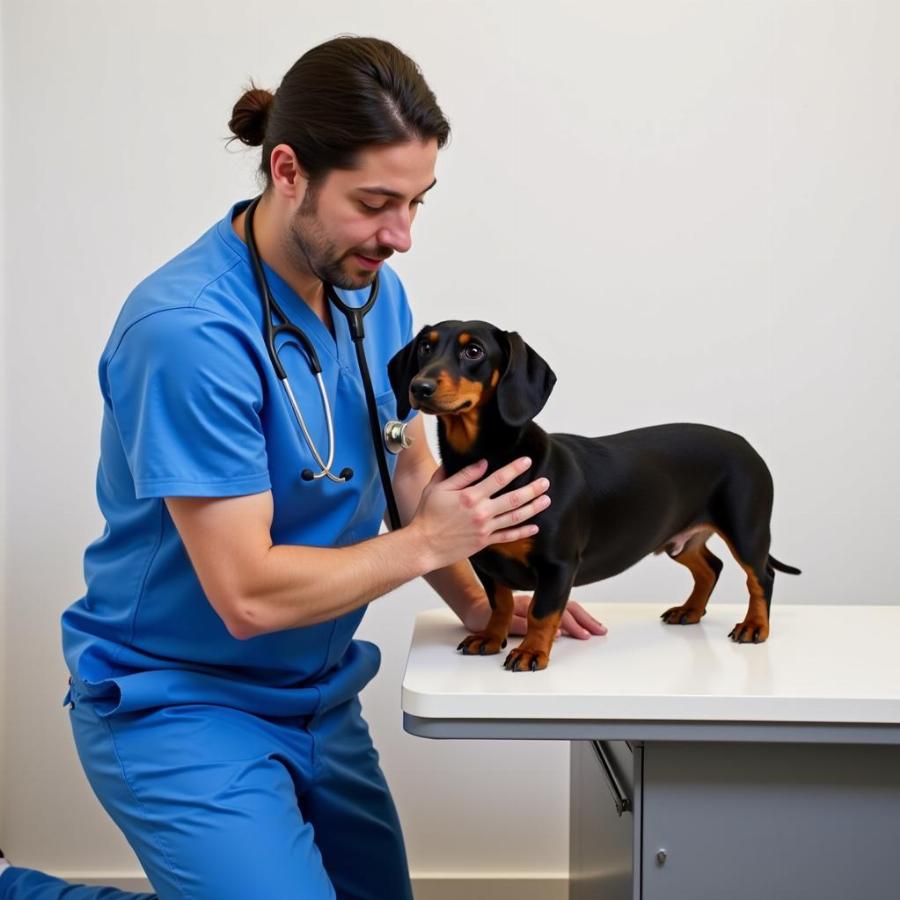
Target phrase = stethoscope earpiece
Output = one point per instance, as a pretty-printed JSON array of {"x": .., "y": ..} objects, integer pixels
[{"x": 346, "y": 475}]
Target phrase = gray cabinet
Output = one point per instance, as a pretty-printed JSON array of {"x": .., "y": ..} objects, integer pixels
[
  {"x": 742, "y": 820},
  {"x": 602, "y": 841}
]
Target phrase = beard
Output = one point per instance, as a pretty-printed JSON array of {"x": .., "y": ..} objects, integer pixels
[{"x": 308, "y": 246}]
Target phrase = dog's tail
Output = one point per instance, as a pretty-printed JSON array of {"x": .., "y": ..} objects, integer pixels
[{"x": 781, "y": 567}]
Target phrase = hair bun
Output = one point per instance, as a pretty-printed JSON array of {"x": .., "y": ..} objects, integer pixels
[{"x": 250, "y": 114}]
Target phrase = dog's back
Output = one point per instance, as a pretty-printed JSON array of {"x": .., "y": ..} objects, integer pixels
[{"x": 641, "y": 487}]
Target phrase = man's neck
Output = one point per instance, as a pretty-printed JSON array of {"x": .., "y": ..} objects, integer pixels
[{"x": 267, "y": 232}]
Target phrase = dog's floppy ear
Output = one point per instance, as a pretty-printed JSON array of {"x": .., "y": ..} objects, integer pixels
[
  {"x": 525, "y": 384},
  {"x": 401, "y": 370}
]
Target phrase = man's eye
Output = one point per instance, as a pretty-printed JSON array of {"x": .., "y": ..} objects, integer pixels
[
  {"x": 473, "y": 351},
  {"x": 369, "y": 208}
]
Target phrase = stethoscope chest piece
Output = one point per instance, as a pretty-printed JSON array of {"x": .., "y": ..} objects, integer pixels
[{"x": 395, "y": 436}]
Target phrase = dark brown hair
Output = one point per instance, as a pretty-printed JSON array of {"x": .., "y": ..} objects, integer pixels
[{"x": 337, "y": 99}]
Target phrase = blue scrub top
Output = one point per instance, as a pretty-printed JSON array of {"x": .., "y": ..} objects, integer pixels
[{"x": 192, "y": 407}]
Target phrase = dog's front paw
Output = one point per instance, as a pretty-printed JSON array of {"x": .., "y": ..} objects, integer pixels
[
  {"x": 527, "y": 658},
  {"x": 683, "y": 615},
  {"x": 482, "y": 644}
]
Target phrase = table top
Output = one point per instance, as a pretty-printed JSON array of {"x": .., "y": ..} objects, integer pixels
[{"x": 821, "y": 664}]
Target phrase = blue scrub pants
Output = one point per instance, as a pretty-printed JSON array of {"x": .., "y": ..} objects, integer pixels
[{"x": 220, "y": 804}]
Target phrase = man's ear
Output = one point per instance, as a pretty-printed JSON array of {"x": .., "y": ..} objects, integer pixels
[
  {"x": 401, "y": 370},
  {"x": 525, "y": 384}
]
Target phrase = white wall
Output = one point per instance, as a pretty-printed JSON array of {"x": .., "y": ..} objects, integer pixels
[{"x": 691, "y": 209}]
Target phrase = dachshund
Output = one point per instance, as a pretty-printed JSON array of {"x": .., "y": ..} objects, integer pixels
[{"x": 615, "y": 499}]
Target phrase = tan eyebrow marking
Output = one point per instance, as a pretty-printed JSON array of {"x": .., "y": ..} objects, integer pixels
[{"x": 464, "y": 338}]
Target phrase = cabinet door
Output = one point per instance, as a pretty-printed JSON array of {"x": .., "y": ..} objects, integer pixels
[
  {"x": 601, "y": 821},
  {"x": 752, "y": 821}
]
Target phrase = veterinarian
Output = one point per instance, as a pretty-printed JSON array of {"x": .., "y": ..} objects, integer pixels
[{"x": 214, "y": 675}]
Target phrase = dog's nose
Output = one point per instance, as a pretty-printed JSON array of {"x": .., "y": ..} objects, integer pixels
[{"x": 423, "y": 388}]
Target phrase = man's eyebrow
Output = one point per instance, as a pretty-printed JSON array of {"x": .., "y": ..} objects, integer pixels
[{"x": 387, "y": 192}]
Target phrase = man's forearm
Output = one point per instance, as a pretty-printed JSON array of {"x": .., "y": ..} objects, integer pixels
[
  {"x": 299, "y": 586},
  {"x": 460, "y": 589}
]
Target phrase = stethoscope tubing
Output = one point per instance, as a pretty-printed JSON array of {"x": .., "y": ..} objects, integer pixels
[
  {"x": 377, "y": 434},
  {"x": 355, "y": 317},
  {"x": 324, "y": 466}
]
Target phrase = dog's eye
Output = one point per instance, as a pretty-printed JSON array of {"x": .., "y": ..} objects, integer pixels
[
  {"x": 473, "y": 351},
  {"x": 425, "y": 348}
]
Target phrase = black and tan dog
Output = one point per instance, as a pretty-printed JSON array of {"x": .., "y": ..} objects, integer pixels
[{"x": 615, "y": 499}]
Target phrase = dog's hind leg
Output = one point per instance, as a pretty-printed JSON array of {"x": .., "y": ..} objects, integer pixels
[
  {"x": 751, "y": 551},
  {"x": 742, "y": 521},
  {"x": 706, "y": 567},
  {"x": 742, "y": 512},
  {"x": 760, "y": 579}
]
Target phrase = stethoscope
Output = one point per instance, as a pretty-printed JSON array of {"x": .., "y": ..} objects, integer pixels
[{"x": 393, "y": 436}]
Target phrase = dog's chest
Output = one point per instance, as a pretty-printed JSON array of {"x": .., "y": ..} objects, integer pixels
[{"x": 508, "y": 564}]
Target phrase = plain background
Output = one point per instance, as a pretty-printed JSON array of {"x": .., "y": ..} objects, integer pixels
[{"x": 690, "y": 209}]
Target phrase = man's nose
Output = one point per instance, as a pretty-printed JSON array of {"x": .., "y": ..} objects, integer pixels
[{"x": 397, "y": 235}]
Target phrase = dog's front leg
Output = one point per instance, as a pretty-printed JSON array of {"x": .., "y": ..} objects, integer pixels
[
  {"x": 544, "y": 614},
  {"x": 493, "y": 638}
]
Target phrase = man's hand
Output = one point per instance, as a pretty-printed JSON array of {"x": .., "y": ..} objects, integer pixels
[
  {"x": 576, "y": 622},
  {"x": 459, "y": 515}
]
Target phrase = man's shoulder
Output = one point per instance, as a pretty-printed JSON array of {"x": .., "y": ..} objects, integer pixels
[{"x": 202, "y": 281}]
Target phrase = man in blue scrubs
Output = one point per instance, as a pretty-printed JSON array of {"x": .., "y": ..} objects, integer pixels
[{"x": 214, "y": 676}]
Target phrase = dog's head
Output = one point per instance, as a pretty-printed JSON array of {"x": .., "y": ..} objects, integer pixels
[{"x": 454, "y": 367}]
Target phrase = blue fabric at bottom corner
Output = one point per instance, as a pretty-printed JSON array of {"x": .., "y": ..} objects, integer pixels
[
  {"x": 221, "y": 804},
  {"x": 27, "y": 884}
]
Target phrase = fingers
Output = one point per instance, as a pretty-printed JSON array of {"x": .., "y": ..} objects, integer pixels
[
  {"x": 498, "y": 480},
  {"x": 519, "y": 623},
  {"x": 520, "y": 513},
  {"x": 572, "y": 628},
  {"x": 576, "y": 621},
  {"x": 463, "y": 477},
  {"x": 579, "y": 623},
  {"x": 586, "y": 620},
  {"x": 507, "y": 535},
  {"x": 521, "y": 603},
  {"x": 514, "y": 507}
]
